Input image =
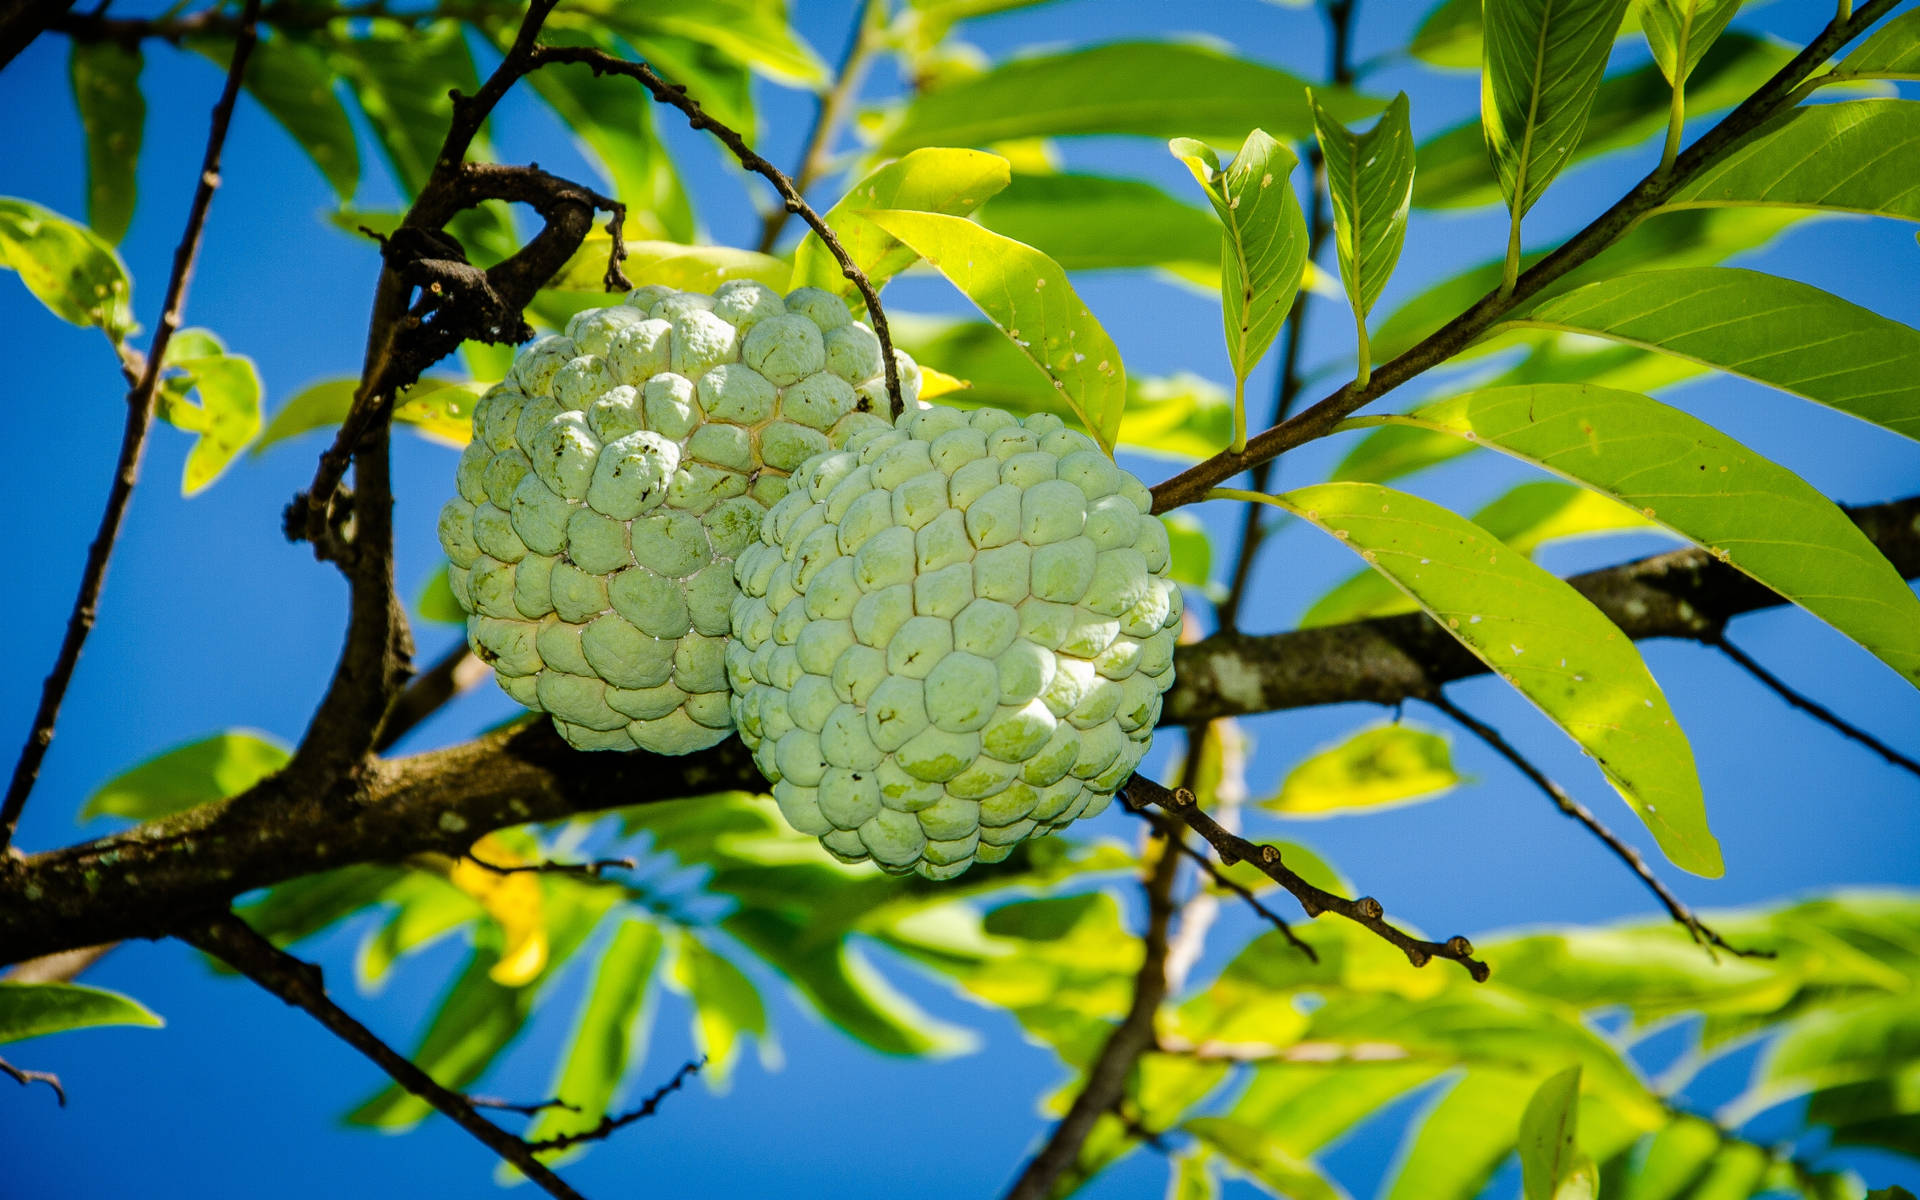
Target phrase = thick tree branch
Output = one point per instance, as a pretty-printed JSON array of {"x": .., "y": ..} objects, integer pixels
[
  {"x": 148, "y": 880},
  {"x": 133, "y": 440},
  {"x": 1774, "y": 96},
  {"x": 21, "y": 23},
  {"x": 234, "y": 942}
]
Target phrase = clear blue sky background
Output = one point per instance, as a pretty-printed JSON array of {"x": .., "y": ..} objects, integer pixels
[{"x": 212, "y": 621}]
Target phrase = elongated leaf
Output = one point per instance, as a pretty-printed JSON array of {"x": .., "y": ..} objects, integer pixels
[
  {"x": 1449, "y": 35},
  {"x": 477, "y": 1019},
  {"x": 293, "y": 82},
  {"x": 1092, "y": 222},
  {"x": 1542, "y": 65},
  {"x": 425, "y": 909},
  {"x": 1776, "y": 331},
  {"x": 1545, "y": 639},
  {"x": 1370, "y": 179},
  {"x": 1454, "y": 168},
  {"x": 438, "y": 409},
  {"x": 1679, "y": 32},
  {"x": 1856, "y": 156},
  {"x": 400, "y": 77},
  {"x": 1547, "y": 1133},
  {"x": 113, "y": 114},
  {"x": 954, "y": 182},
  {"x": 1387, "y": 454},
  {"x": 68, "y": 267},
  {"x": 1453, "y": 1150},
  {"x": 1525, "y": 518},
  {"x": 435, "y": 600},
  {"x": 1191, "y": 1177},
  {"x": 1675, "y": 469},
  {"x": 212, "y": 768},
  {"x": 513, "y": 899},
  {"x": 601, "y": 1048},
  {"x": 1379, "y": 767},
  {"x": 726, "y": 1005},
  {"x": 1192, "y": 553},
  {"x": 1197, "y": 91},
  {"x": 33, "y": 1009},
  {"x": 1027, "y": 296},
  {"x": 755, "y": 32},
  {"x": 227, "y": 414},
  {"x": 1893, "y": 52},
  {"x": 1254, "y": 1151},
  {"x": 1262, "y": 249}
]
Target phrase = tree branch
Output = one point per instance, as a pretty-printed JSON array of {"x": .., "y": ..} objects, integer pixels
[
  {"x": 1775, "y": 95},
  {"x": 133, "y": 440},
  {"x": 1169, "y": 829},
  {"x": 1817, "y": 711},
  {"x": 1232, "y": 848},
  {"x": 145, "y": 881},
  {"x": 1106, "y": 1083},
  {"x": 234, "y": 942},
  {"x": 1564, "y": 801},
  {"x": 610, "y": 1124},
  {"x": 24, "y": 1078}
]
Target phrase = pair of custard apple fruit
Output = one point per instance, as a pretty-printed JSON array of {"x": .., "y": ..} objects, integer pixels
[{"x": 689, "y": 515}]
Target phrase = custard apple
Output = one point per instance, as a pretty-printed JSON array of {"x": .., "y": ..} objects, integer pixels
[
  {"x": 952, "y": 636},
  {"x": 614, "y": 475}
]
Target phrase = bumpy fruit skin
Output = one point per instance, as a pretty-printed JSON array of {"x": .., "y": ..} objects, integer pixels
[
  {"x": 953, "y": 636},
  {"x": 614, "y": 475}
]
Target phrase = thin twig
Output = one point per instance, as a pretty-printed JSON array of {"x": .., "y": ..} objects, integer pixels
[
  {"x": 1167, "y": 827},
  {"x": 1107, "y": 1077},
  {"x": 591, "y": 870},
  {"x": 826, "y": 120},
  {"x": 1253, "y": 523},
  {"x": 610, "y": 1124},
  {"x": 525, "y": 1109},
  {"x": 235, "y": 943},
  {"x": 1190, "y": 485},
  {"x": 24, "y": 1078},
  {"x": 1694, "y": 926},
  {"x": 602, "y": 63},
  {"x": 133, "y": 440},
  {"x": 1812, "y": 708},
  {"x": 453, "y": 673},
  {"x": 1232, "y": 848}
]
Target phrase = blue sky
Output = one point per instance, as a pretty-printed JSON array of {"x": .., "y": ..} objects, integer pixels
[{"x": 212, "y": 621}]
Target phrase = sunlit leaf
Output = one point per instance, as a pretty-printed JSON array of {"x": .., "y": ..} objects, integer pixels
[
  {"x": 1449, "y": 35},
  {"x": 755, "y": 32},
  {"x": 212, "y": 768},
  {"x": 1453, "y": 1148},
  {"x": 435, "y": 600},
  {"x": 605, "y": 1045},
  {"x": 1093, "y": 222},
  {"x": 1539, "y": 635},
  {"x": 726, "y": 1006},
  {"x": 425, "y": 908},
  {"x": 1370, "y": 180},
  {"x": 1197, "y": 91},
  {"x": 1388, "y": 453},
  {"x": 1191, "y": 1177},
  {"x": 113, "y": 113},
  {"x": 668, "y": 264},
  {"x": 33, "y": 1009},
  {"x": 68, "y": 267},
  {"x": 293, "y": 82},
  {"x": 1892, "y": 52},
  {"x": 438, "y": 409},
  {"x": 476, "y": 1020},
  {"x": 1776, "y": 331},
  {"x": 1547, "y": 1134},
  {"x": 1263, "y": 247},
  {"x": 1378, "y": 767},
  {"x": 1027, "y": 296},
  {"x": 213, "y": 394},
  {"x": 400, "y": 75},
  {"x": 954, "y": 182},
  {"x": 1673, "y": 468},
  {"x": 1192, "y": 552},
  {"x": 1254, "y": 1152},
  {"x": 1679, "y": 32},
  {"x": 1543, "y": 62},
  {"x": 515, "y": 901},
  {"x": 1857, "y": 156}
]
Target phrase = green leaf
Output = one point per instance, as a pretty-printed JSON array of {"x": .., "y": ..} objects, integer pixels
[
  {"x": 1197, "y": 91},
  {"x": 1380, "y": 767},
  {"x": 1262, "y": 249},
  {"x": 426, "y": 908},
  {"x": 476, "y": 1020},
  {"x": 1454, "y": 168},
  {"x": 1255, "y": 1152},
  {"x": 668, "y": 264},
  {"x": 227, "y": 415},
  {"x": 1856, "y": 156},
  {"x": 1525, "y": 518},
  {"x": 1449, "y": 36},
  {"x": 1191, "y": 1177},
  {"x": 1453, "y": 1149},
  {"x": 293, "y": 82},
  {"x": 1748, "y": 511},
  {"x": 1542, "y": 65},
  {"x": 435, "y": 601},
  {"x": 68, "y": 267},
  {"x": 954, "y": 182},
  {"x": 1027, "y": 296},
  {"x": 1893, "y": 52},
  {"x": 1391, "y": 452},
  {"x": 726, "y": 1005},
  {"x": 212, "y": 768},
  {"x": 1776, "y": 331},
  {"x": 400, "y": 76},
  {"x": 1546, "y": 1142},
  {"x": 113, "y": 114},
  {"x": 1545, "y": 639},
  {"x": 33, "y": 1009},
  {"x": 600, "y": 1050},
  {"x": 754, "y": 32},
  {"x": 438, "y": 409},
  {"x": 1192, "y": 552},
  {"x": 1092, "y": 222},
  {"x": 1370, "y": 179},
  {"x": 1680, "y": 31}
]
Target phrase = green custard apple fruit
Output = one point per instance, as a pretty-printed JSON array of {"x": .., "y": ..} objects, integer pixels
[
  {"x": 614, "y": 475},
  {"x": 952, "y": 636}
]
